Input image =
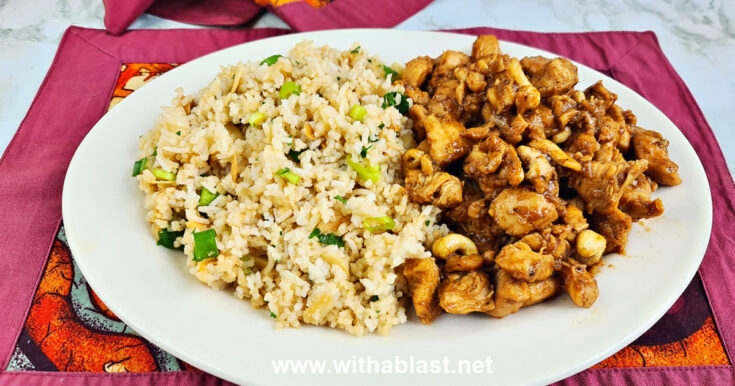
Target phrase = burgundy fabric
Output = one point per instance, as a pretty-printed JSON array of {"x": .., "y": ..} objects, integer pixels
[
  {"x": 77, "y": 90},
  {"x": 348, "y": 14},
  {"x": 120, "y": 14},
  {"x": 206, "y": 12}
]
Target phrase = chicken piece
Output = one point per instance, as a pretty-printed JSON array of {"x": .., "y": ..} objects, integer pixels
[
  {"x": 446, "y": 143},
  {"x": 565, "y": 110},
  {"x": 510, "y": 295},
  {"x": 513, "y": 132},
  {"x": 542, "y": 290},
  {"x": 417, "y": 70},
  {"x": 519, "y": 211},
  {"x": 599, "y": 94},
  {"x": 583, "y": 146},
  {"x": 485, "y": 46},
  {"x": 462, "y": 263},
  {"x": 448, "y": 61},
  {"x": 418, "y": 113},
  {"x": 510, "y": 173},
  {"x": 523, "y": 263},
  {"x": 476, "y": 81},
  {"x": 418, "y": 96},
  {"x": 550, "y": 76},
  {"x": 439, "y": 188},
  {"x": 575, "y": 218},
  {"x": 614, "y": 226},
  {"x": 471, "y": 219},
  {"x": 539, "y": 171},
  {"x": 651, "y": 145},
  {"x": 485, "y": 157},
  {"x": 472, "y": 108},
  {"x": 511, "y": 88},
  {"x": 556, "y": 153},
  {"x": 462, "y": 294},
  {"x": 423, "y": 279},
  {"x": 540, "y": 121},
  {"x": 636, "y": 199},
  {"x": 446, "y": 101},
  {"x": 601, "y": 184},
  {"x": 580, "y": 285}
]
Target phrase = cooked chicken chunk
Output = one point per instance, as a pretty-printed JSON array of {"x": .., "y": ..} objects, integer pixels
[
  {"x": 601, "y": 184},
  {"x": 447, "y": 99},
  {"x": 614, "y": 226},
  {"x": 542, "y": 290},
  {"x": 510, "y": 294},
  {"x": 636, "y": 199},
  {"x": 485, "y": 46},
  {"x": 461, "y": 263},
  {"x": 523, "y": 263},
  {"x": 555, "y": 153},
  {"x": 417, "y": 70},
  {"x": 462, "y": 294},
  {"x": 511, "y": 88},
  {"x": 651, "y": 145},
  {"x": 439, "y": 188},
  {"x": 539, "y": 171},
  {"x": 485, "y": 157},
  {"x": 550, "y": 76},
  {"x": 510, "y": 173},
  {"x": 519, "y": 211},
  {"x": 446, "y": 143},
  {"x": 580, "y": 285},
  {"x": 423, "y": 279}
]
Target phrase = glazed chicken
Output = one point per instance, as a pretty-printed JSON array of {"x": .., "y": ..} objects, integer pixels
[{"x": 536, "y": 179}]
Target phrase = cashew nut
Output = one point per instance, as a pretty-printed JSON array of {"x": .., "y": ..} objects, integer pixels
[
  {"x": 453, "y": 243},
  {"x": 590, "y": 246}
]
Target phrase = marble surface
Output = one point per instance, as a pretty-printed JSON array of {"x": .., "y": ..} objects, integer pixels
[{"x": 697, "y": 36}]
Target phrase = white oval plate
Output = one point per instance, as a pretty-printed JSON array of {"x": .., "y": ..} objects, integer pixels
[{"x": 148, "y": 287}]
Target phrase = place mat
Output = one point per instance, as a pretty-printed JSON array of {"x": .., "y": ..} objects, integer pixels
[
  {"x": 300, "y": 15},
  {"x": 57, "y": 330}
]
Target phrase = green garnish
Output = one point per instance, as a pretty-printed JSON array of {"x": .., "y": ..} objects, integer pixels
[
  {"x": 256, "y": 119},
  {"x": 206, "y": 197},
  {"x": 155, "y": 152},
  {"x": 364, "y": 150},
  {"x": 139, "y": 166},
  {"x": 356, "y": 50},
  {"x": 288, "y": 175},
  {"x": 205, "y": 245},
  {"x": 271, "y": 60},
  {"x": 389, "y": 71},
  {"x": 295, "y": 154},
  {"x": 357, "y": 113},
  {"x": 340, "y": 199},
  {"x": 374, "y": 224},
  {"x": 381, "y": 126},
  {"x": 374, "y": 298},
  {"x": 166, "y": 238},
  {"x": 373, "y": 140},
  {"x": 273, "y": 315},
  {"x": 164, "y": 175},
  {"x": 178, "y": 133},
  {"x": 327, "y": 238},
  {"x": 427, "y": 222},
  {"x": 368, "y": 172},
  {"x": 290, "y": 88},
  {"x": 389, "y": 99}
]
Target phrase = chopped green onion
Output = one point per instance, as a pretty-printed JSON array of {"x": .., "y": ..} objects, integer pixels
[
  {"x": 371, "y": 140},
  {"x": 381, "y": 126},
  {"x": 155, "y": 152},
  {"x": 357, "y": 113},
  {"x": 205, "y": 245},
  {"x": 273, "y": 315},
  {"x": 327, "y": 238},
  {"x": 167, "y": 238},
  {"x": 373, "y": 224},
  {"x": 256, "y": 119},
  {"x": 247, "y": 271},
  {"x": 340, "y": 199},
  {"x": 427, "y": 222},
  {"x": 245, "y": 258},
  {"x": 271, "y": 60},
  {"x": 295, "y": 154},
  {"x": 368, "y": 172},
  {"x": 356, "y": 50},
  {"x": 374, "y": 298},
  {"x": 139, "y": 166},
  {"x": 178, "y": 132},
  {"x": 390, "y": 71},
  {"x": 364, "y": 150},
  {"x": 290, "y": 88},
  {"x": 389, "y": 99},
  {"x": 288, "y": 175},
  {"x": 164, "y": 175},
  {"x": 206, "y": 197}
]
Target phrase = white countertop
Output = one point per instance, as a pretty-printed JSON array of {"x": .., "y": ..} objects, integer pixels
[{"x": 698, "y": 37}]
